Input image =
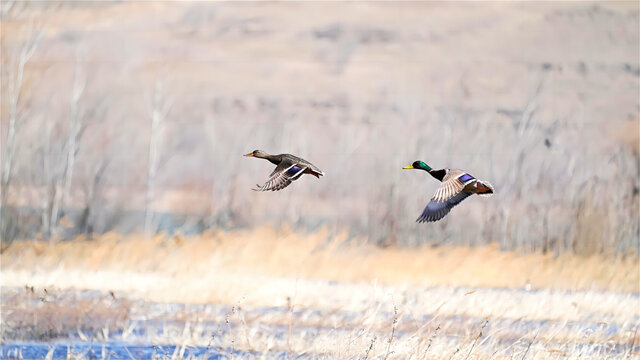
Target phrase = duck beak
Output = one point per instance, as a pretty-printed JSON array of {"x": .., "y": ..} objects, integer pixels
[
  {"x": 409, "y": 167},
  {"x": 249, "y": 154}
]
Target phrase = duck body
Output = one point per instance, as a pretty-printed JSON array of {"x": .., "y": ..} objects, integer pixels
[
  {"x": 456, "y": 186},
  {"x": 288, "y": 169}
]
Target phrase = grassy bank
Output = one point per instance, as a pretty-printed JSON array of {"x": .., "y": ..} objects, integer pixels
[
  {"x": 274, "y": 291},
  {"x": 237, "y": 258}
]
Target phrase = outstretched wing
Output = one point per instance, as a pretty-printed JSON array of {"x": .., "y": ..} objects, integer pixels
[
  {"x": 451, "y": 185},
  {"x": 281, "y": 177},
  {"x": 436, "y": 210},
  {"x": 448, "y": 195}
]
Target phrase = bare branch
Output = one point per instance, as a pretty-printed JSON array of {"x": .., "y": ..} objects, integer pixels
[
  {"x": 159, "y": 110},
  {"x": 15, "y": 89},
  {"x": 74, "y": 128}
]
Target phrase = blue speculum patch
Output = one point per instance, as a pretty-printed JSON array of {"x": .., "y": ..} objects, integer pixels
[
  {"x": 465, "y": 177},
  {"x": 294, "y": 170}
]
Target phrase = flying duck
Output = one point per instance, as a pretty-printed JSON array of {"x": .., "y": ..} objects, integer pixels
[
  {"x": 456, "y": 186},
  {"x": 288, "y": 168}
]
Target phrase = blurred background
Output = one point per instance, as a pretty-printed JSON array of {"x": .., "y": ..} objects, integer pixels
[{"x": 132, "y": 117}]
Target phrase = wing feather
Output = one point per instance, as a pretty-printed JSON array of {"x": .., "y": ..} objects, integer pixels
[
  {"x": 436, "y": 210},
  {"x": 448, "y": 189},
  {"x": 281, "y": 177},
  {"x": 448, "y": 195}
]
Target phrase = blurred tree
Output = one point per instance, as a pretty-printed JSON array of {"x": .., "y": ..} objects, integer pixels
[
  {"x": 27, "y": 49},
  {"x": 159, "y": 110},
  {"x": 76, "y": 122}
]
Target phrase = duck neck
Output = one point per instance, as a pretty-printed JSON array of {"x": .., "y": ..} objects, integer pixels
[
  {"x": 438, "y": 174},
  {"x": 274, "y": 159}
]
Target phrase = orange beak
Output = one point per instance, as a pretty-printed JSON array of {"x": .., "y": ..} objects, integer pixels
[{"x": 249, "y": 154}]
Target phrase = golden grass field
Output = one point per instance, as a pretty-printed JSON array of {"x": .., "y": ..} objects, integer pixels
[
  {"x": 321, "y": 295},
  {"x": 322, "y": 255}
]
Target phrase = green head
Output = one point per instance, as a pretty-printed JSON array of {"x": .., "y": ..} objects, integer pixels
[{"x": 418, "y": 165}]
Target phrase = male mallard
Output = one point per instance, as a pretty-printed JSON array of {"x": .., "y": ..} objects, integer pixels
[
  {"x": 288, "y": 168},
  {"x": 456, "y": 186}
]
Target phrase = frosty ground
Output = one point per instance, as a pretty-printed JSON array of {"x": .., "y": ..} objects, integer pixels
[{"x": 221, "y": 296}]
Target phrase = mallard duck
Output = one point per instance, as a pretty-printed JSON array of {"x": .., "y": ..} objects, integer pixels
[
  {"x": 456, "y": 186},
  {"x": 288, "y": 168}
]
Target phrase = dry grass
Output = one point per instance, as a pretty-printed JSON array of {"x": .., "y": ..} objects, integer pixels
[
  {"x": 274, "y": 291},
  {"x": 388, "y": 322},
  {"x": 41, "y": 314},
  {"x": 320, "y": 255}
]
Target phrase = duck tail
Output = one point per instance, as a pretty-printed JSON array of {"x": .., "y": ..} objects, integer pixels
[
  {"x": 484, "y": 188},
  {"x": 315, "y": 173}
]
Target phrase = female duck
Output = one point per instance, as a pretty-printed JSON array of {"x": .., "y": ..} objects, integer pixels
[{"x": 288, "y": 168}]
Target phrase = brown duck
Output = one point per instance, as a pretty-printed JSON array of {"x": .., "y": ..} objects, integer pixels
[
  {"x": 456, "y": 186},
  {"x": 288, "y": 168}
]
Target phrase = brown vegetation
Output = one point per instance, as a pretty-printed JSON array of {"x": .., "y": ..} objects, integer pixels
[
  {"x": 547, "y": 119},
  {"x": 313, "y": 293},
  {"x": 283, "y": 253},
  {"x": 43, "y": 315}
]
